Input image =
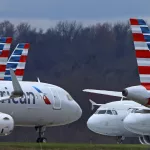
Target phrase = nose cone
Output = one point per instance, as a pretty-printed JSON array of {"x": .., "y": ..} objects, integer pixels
[
  {"x": 93, "y": 124},
  {"x": 130, "y": 123},
  {"x": 75, "y": 111}
]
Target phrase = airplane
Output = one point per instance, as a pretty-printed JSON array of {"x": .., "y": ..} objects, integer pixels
[
  {"x": 35, "y": 104},
  {"x": 17, "y": 61},
  {"x": 109, "y": 119},
  {"x": 139, "y": 93},
  {"x": 138, "y": 122}
]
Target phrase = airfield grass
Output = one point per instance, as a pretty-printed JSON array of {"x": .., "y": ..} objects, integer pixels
[{"x": 59, "y": 146}]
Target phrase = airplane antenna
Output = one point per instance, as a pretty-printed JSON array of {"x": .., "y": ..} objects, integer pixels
[{"x": 38, "y": 79}]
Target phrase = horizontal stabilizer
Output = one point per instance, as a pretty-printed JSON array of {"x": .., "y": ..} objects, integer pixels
[
  {"x": 94, "y": 104},
  {"x": 104, "y": 92}
]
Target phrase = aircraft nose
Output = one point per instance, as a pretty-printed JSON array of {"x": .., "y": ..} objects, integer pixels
[
  {"x": 92, "y": 123},
  {"x": 130, "y": 122},
  {"x": 78, "y": 111}
]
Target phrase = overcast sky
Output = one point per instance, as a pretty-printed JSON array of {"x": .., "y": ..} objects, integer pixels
[{"x": 44, "y": 13}]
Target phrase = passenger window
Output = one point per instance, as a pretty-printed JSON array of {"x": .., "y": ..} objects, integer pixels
[
  {"x": 109, "y": 112},
  {"x": 102, "y": 112},
  {"x": 114, "y": 112}
]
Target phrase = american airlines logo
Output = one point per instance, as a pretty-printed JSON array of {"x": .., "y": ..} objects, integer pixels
[{"x": 46, "y": 100}]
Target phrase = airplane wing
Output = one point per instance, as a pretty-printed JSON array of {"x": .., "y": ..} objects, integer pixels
[
  {"x": 104, "y": 92},
  {"x": 18, "y": 92}
]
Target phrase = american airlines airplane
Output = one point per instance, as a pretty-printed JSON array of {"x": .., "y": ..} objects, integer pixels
[
  {"x": 139, "y": 93},
  {"x": 112, "y": 119},
  {"x": 30, "y": 104}
]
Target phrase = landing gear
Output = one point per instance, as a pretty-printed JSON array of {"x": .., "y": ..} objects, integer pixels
[
  {"x": 120, "y": 139},
  {"x": 41, "y": 130}
]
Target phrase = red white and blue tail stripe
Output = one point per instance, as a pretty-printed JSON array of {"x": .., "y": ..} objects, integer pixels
[
  {"x": 5, "y": 43},
  {"x": 141, "y": 37},
  {"x": 17, "y": 61}
]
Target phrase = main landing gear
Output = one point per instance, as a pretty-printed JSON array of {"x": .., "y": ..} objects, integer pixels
[
  {"x": 120, "y": 139},
  {"x": 41, "y": 130}
]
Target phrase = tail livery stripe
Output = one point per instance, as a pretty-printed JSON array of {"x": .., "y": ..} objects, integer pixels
[
  {"x": 17, "y": 61},
  {"x": 5, "y": 43},
  {"x": 141, "y": 38}
]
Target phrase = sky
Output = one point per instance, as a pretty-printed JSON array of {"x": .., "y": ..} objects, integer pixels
[{"x": 46, "y": 13}]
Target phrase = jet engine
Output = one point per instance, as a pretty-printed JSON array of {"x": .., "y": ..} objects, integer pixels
[
  {"x": 146, "y": 139},
  {"x": 137, "y": 93},
  {"x": 6, "y": 124}
]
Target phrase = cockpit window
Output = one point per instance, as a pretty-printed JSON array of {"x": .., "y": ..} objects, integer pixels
[
  {"x": 114, "y": 112},
  {"x": 134, "y": 110},
  {"x": 109, "y": 112},
  {"x": 102, "y": 112},
  {"x": 69, "y": 97},
  {"x": 143, "y": 111}
]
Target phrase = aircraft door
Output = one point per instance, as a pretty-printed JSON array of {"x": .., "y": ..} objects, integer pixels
[{"x": 57, "y": 100}]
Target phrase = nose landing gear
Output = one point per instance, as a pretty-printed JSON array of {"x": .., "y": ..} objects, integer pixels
[
  {"x": 120, "y": 139},
  {"x": 41, "y": 130}
]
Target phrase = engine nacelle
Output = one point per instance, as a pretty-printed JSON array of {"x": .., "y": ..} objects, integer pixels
[
  {"x": 146, "y": 139},
  {"x": 6, "y": 124},
  {"x": 137, "y": 93}
]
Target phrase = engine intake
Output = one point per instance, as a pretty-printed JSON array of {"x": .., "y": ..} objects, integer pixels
[
  {"x": 137, "y": 93},
  {"x": 6, "y": 124}
]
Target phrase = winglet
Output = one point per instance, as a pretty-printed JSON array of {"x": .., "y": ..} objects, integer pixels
[
  {"x": 94, "y": 104},
  {"x": 17, "y": 88}
]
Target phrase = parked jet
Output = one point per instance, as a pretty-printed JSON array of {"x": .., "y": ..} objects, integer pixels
[
  {"x": 35, "y": 104},
  {"x": 138, "y": 122},
  {"x": 139, "y": 93},
  {"x": 109, "y": 120}
]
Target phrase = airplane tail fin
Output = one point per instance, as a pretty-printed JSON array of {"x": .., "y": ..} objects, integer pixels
[
  {"x": 17, "y": 61},
  {"x": 5, "y": 43},
  {"x": 141, "y": 37},
  {"x": 94, "y": 104}
]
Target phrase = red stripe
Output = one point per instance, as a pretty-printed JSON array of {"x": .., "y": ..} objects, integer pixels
[
  {"x": 144, "y": 69},
  {"x": 142, "y": 54},
  {"x": 23, "y": 58},
  {"x": 146, "y": 85},
  {"x": 5, "y": 53},
  {"x": 19, "y": 72},
  {"x": 2, "y": 68},
  {"x": 138, "y": 37},
  {"x": 9, "y": 40},
  {"x": 134, "y": 21},
  {"x": 46, "y": 100},
  {"x": 26, "y": 46}
]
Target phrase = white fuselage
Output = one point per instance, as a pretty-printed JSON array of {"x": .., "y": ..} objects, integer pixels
[
  {"x": 108, "y": 119},
  {"x": 138, "y": 121},
  {"x": 31, "y": 109}
]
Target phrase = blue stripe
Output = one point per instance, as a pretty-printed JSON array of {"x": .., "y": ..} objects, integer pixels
[
  {"x": 7, "y": 72},
  {"x": 7, "y": 78},
  {"x": 37, "y": 89},
  {"x": 17, "y": 52},
  {"x": 147, "y": 38},
  {"x": 3, "y": 39},
  {"x": 148, "y": 44},
  {"x": 21, "y": 46},
  {"x": 141, "y": 22},
  {"x": 11, "y": 65},
  {"x": 14, "y": 59},
  {"x": 1, "y": 46},
  {"x": 145, "y": 29}
]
